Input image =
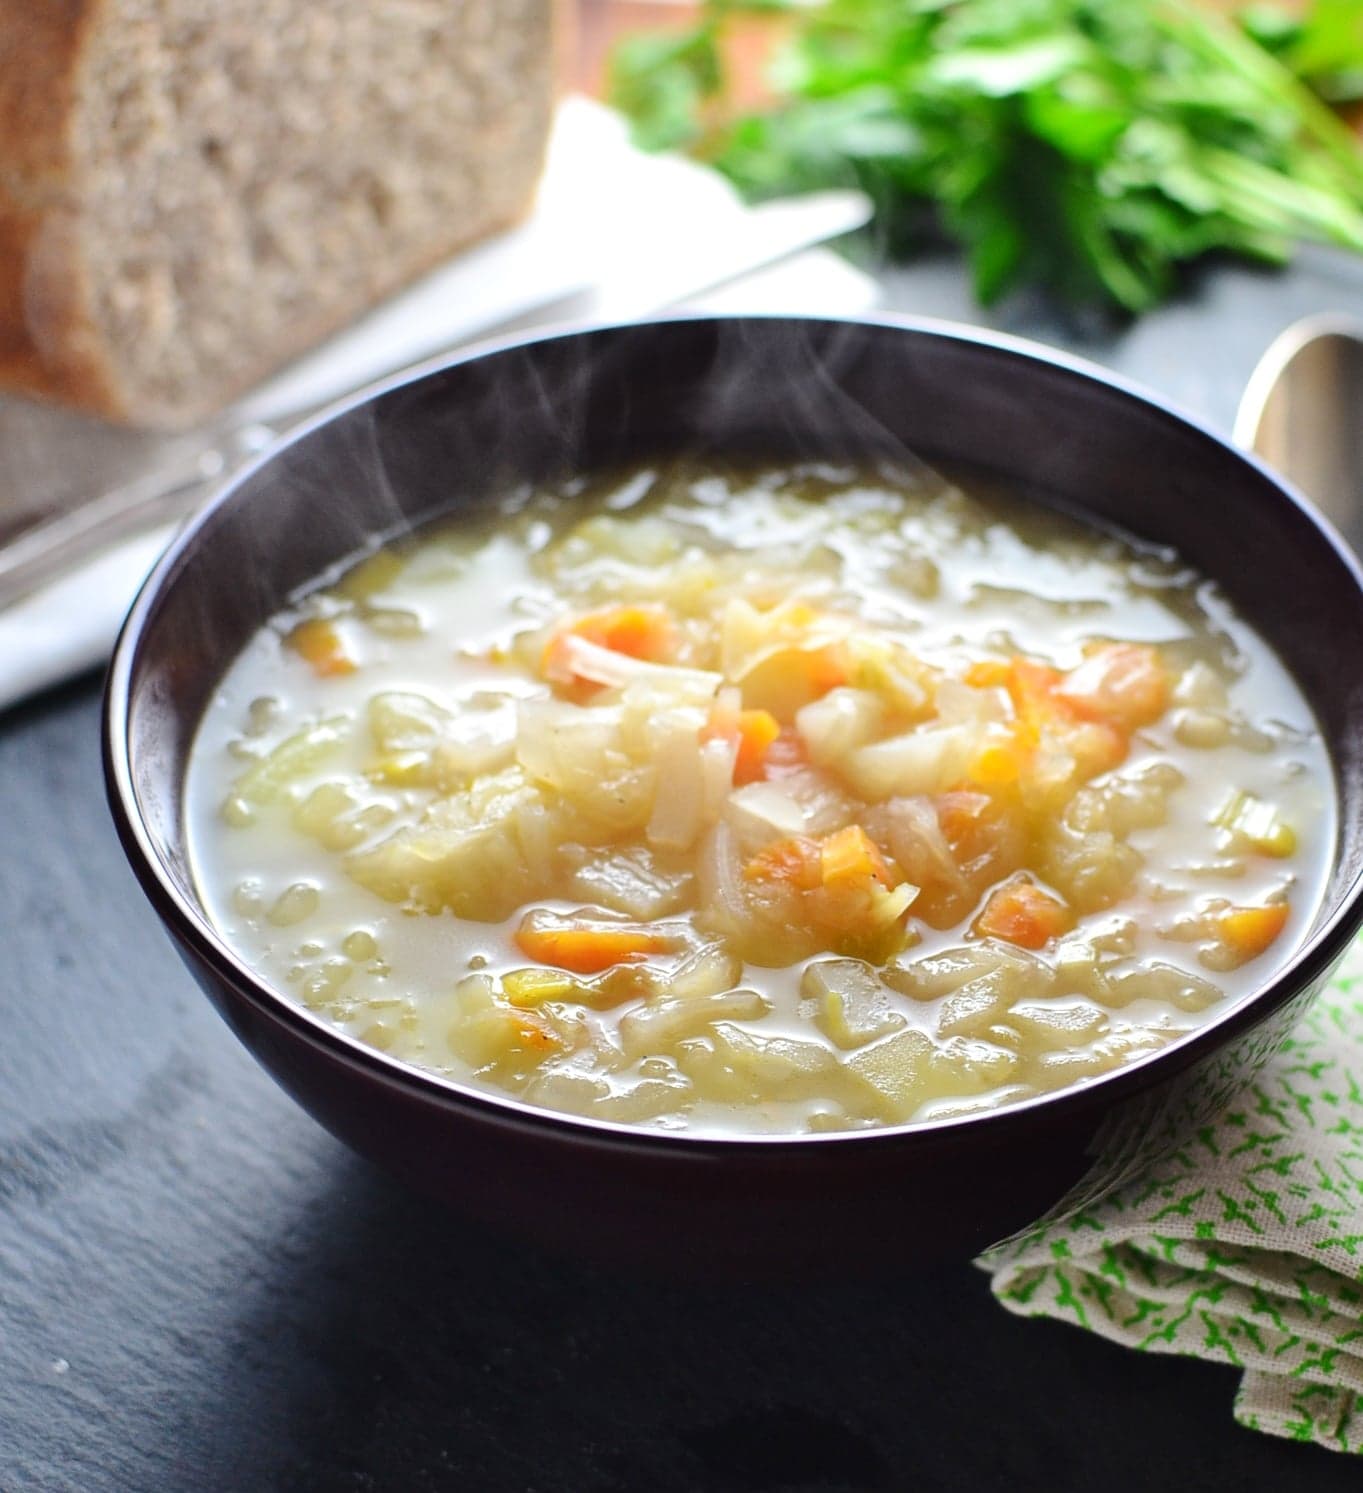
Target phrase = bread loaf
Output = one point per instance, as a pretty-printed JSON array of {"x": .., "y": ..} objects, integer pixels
[{"x": 194, "y": 191}]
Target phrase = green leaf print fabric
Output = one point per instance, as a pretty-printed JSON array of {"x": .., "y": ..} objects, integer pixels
[{"x": 1244, "y": 1247}]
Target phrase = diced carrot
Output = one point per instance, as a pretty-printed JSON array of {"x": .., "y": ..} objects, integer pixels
[
  {"x": 640, "y": 631},
  {"x": 987, "y": 673},
  {"x": 1122, "y": 684},
  {"x": 1052, "y": 725},
  {"x": 960, "y": 812},
  {"x": 1022, "y": 913},
  {"x": 1097, "y": 746},
  {"x": 1032, "y": 686},
  {"x": 536, "y": 1031},
  {"x": 795, "y": 862},
  {"x": 849, "y": 855},
  {"x": 757, "y": 730},
  {"x": 586, "y": 948},
  {"x": 319, "y": 643},
  {"x": 999, "y": 762},
  {"x": 827, "y": 668},
  {"x": 840, "y": 886},
  {"x": 1250, "y": 930},
  {"x": 858, "y": 898},
  {"x": 858, "y": 911},
  {"x": 752, "y": 732},
  {"x": 645, "y": 632}
]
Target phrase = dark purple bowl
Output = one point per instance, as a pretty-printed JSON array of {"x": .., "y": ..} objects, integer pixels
[{"x": 460, "y": 435}]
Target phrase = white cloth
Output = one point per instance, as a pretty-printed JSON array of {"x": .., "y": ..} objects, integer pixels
[{"x": 615, "y": 234}]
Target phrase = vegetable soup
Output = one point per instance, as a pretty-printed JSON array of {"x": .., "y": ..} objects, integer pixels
[{"x": 773, "y": 801}]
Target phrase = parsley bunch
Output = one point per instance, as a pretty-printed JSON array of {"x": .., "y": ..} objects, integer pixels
[{"x": 1092, "y": 147}]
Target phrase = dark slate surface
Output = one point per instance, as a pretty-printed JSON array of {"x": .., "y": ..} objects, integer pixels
[{"x": 200, "y": 1290}]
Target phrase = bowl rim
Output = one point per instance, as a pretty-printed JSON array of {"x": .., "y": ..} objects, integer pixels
[{"x": 1309, "y": 961}]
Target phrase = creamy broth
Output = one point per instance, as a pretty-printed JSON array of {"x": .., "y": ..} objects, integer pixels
[{"x": 781, "y": 801}]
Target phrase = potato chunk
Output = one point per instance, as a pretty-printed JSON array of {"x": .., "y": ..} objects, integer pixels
[
  {"x": 852, "y": 1003},
  {"x": 1060, "y": 1023},
  {"x": 736, "y": 1065},
  {"x": 895, "y": 1072},
  {"x": 656, "y": 1028},
  {"x": 463, "y": 854}
]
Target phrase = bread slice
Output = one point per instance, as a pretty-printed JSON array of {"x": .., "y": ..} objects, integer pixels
[{"x": 194, "y": 191}]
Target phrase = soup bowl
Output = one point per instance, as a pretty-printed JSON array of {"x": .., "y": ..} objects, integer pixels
[{"x": 457, "y": 437}]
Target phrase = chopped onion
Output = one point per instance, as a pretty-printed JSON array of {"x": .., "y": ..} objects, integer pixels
[
  {"x": 679, "y": 802},
  {"x": 838, "y": 723},
  {"x": 748, "y": 636},
  {"x": 472, "y": 754},
  {"x": 762, "y": 812},
  {"x": 1199, "y": 685},
  {"x": 720, "y": 874},
  {"x": 717, "y": 758},
  {"x": 655, "y": 1028},
  {"x": 825, "y": 805},
  {"x": 729, "y": 701},
  {"x": 959, "y": 703},
  {"x": 578, "y": 658},
  {"x": 404, "y": 721},
  {"x": 928, "y": 760},
  {"x": 631, "y": 882},
  {"x": 534, "y": 831},
  {"x": 710, "y": 970},
  {"x": 555, "y": 741},
  {"x": 916, "y": 841},
  {"x": 743, "y": 632}
]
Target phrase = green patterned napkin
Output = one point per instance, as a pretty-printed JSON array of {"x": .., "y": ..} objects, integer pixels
[{"x": 1245, "y": 1247}]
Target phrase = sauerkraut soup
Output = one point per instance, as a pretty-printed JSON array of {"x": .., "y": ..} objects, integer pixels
[{"x": 779, "y": 801}]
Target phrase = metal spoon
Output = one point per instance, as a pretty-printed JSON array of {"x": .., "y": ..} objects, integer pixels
[{"x": 1302, "y": 411}]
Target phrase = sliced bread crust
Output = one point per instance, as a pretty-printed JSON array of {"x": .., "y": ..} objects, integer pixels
[
  {"x": 42, "y": 287},
  {"x": 192, "y": 195}
]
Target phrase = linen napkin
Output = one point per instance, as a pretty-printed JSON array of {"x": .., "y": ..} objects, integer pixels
[{"x": 1245, "y": 1247}]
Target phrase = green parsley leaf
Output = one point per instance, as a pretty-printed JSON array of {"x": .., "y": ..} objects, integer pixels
[{"x": 1092, "y": 147}]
